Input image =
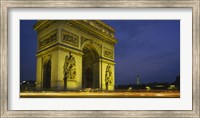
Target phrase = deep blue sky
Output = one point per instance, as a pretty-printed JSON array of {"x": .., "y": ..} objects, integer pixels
[{"x": 150, "y": 48}]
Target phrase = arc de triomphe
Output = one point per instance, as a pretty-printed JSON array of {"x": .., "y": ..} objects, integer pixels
[{"x": 75, "y": 54}]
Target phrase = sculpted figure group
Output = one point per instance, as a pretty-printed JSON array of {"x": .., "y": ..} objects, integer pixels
[
  {"x": 108, "y": 76},
  {"x": 70, "y": 70},
  {"x": 69, "y": 67}
]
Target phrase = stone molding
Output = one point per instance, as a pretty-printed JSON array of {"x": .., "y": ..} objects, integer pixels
[
  {"x": 83, "y": 39},
  {"x": 92, "y": 32},
  {"x": 42, "y": 25}
]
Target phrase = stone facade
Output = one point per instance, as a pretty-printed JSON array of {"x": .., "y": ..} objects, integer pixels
[{"x": 75, "y": 54}]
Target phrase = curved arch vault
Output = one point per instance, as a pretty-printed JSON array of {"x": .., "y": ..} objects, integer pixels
[{"x": 75, "y": 55}]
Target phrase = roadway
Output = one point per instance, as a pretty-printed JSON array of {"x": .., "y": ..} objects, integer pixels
[{"x": 131, "y": 94}]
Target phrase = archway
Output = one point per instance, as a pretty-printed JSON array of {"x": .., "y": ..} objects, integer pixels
[
  {"x": 47, "y": 75},
  {"x": 92, "y": 52},
  {"x": 90, "y": 65}
]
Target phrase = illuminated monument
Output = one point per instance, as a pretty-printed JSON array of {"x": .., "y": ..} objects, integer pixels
[{"x": 75, "y": 54}]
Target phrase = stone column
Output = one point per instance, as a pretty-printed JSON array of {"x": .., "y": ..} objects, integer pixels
[
  {"x": 39, "y": 73},
  {"x": 111, "y": 86},
  {"x": 100, "y": 73}
]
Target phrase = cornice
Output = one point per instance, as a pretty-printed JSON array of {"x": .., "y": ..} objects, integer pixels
[
  {"x": 83, "y": 27},
  {"x": 43, "y": 24},
  {"x": 103, "y": 31}
]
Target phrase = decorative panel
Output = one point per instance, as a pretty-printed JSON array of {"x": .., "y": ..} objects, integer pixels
[{"x": 70, "y": 38}]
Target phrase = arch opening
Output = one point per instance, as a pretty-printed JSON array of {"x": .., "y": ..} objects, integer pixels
[
  {"x": 90, "y": 65},
  {"x": 47, "y": 75}
]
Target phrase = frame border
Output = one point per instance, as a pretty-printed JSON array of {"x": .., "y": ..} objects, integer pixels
[{"x": 5, "y": 5}]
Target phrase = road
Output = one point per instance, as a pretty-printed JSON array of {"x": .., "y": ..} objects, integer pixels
[{"x": 135, "y": 94}]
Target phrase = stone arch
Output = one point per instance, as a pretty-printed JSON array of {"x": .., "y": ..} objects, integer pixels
[
  {"x": 93, "y": 45},
  {"x": 90, "y": 66},
  {"x": 47, "y": 74},
  {"x": 85, "y": 37}
]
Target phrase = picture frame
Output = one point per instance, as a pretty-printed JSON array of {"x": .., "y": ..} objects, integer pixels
[{"x": 6, "y": 5}]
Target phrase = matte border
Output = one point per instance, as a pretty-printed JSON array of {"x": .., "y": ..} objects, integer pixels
[{"x": 6, "y": 4}]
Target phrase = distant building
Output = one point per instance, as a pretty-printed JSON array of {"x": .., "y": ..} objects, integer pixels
[
  {"x": 158, "y": 86},
  {"x": 177, "y": 82},
  {"x": 172, "y": 87},
  {"x": 27, "y": 85}
]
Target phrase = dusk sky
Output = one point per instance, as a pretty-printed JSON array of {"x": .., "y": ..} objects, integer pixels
[{"x": 150, "y": 48}]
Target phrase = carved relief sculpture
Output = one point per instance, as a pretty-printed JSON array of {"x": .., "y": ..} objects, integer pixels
[
  {"x": 69, "y": 68},
  {"x": 108, "y": 53},
  {"x": 48, "y": 40},
  {"x": 108, "y": 76},
  {"x": 70, "y": 38}
]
